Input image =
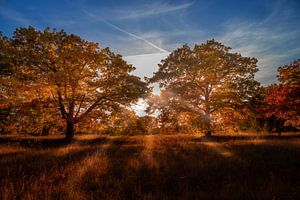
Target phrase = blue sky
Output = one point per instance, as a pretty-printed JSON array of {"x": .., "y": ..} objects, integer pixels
[{"x": 144, "y": 32}]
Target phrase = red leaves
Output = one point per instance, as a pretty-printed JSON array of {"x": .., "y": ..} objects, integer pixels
[{"x": 283, "y": 100}]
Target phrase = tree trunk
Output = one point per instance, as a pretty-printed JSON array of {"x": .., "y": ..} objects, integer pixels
[
  {"x": 207, "y": 121},
  {"x": 46, "y": 130},
  {"x": 207, "y": 133},
  {"x": 69, "y": 131},
  {"x": 207, "y": 118}
]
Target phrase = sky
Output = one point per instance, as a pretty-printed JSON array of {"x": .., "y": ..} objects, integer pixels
[{"x": 145, "y": 32}]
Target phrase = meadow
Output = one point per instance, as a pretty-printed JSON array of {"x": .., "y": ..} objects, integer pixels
[{"x": 150, "y": 167}]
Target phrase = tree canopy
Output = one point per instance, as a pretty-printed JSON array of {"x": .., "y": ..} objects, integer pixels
[
  {"x": 203, "y": 80},
  {"x": 282, "y": 101},
  {"x": 76, "y": 74},
  {"x": 52, "y": 80}
]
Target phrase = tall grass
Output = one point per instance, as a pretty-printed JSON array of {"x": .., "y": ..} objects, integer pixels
[{"x": 151, "y": 167}]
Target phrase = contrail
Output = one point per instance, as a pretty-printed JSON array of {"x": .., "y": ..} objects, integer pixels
[
  {"x": 135, "y": 36},
  {"x": 124, "y": 31}
]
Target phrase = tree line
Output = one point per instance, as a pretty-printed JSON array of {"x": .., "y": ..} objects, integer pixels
[{"x": 54, "y": 82}]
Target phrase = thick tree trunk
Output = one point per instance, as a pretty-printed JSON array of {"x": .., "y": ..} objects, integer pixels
[
  {"x": 207, "y": 128},
  {"x": 69, "y": 131},
  {"x": 46, "y": 130},
  {"x": 207, "y": 118},
  {"x": 207, "y": 133}
]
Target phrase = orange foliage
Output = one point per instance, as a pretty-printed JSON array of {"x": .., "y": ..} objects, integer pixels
[{"x": 283, "y": 100}]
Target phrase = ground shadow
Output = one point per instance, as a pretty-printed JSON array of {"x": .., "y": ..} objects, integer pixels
[
  {"x": 40, "y": 143},
  {"x": 184, "y": 168},
  {"x": 244, "y": 138},
  {"x": 34, "y": 142}
]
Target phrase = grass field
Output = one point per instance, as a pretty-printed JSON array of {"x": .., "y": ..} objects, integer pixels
[{"x": 150, "y": 167}]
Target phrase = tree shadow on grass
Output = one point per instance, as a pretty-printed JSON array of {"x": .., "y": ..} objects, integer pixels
[
  {"x": 37, "y": 143},
  {"x": 116, "y": 178},
  {"x": 42, "y": 174},
  {"x": 45, "y": 143},
  {"x": 42, "y": 143},
  {"x": 245, "y": 138},
  {"x": 184, "y": 169},
  {"x": 181, "y": 172},
  {"x": 191, "y": 171},
  {"x": 42, "y": 161},
  {"x": 272, "y": 168}
]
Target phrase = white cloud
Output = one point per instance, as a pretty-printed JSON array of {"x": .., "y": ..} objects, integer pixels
[
  {"x": 151, "y": 9},
  {"x": 272, "y": 40},
  {"x": 145, "y": 41},
  {"x": 270, "y": 44}
]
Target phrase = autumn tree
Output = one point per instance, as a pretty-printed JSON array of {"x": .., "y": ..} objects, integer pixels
[
  {"x": 78, "y": 75},
  {"x": 5, "y": 74},
  {"x": 37, "y": 117},
  {"x": 5, "y": 67},
  {"x": 205, "y": 79},
  {"x": 146, "y": 124},
  {"x": 282, "y": 101},
  {"x": 120, "y": 121},
  {"x": 124, "y": 121},
  {"x": 170, "y": 117}
]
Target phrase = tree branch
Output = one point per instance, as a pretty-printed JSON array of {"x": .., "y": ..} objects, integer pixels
[
  {"x": 81, "y": 101},
  {"x": 95, "y": 104},
  {"x": 61, "y": 106}
]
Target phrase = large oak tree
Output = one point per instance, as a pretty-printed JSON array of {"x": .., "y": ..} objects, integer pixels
[
  {"x": 78, "y": 75},
  {"x": 203, "y": 80}
]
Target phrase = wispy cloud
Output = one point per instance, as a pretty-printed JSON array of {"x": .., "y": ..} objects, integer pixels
[
  {"x": 14, "y": 16},
  {"x": 140, "y": 38},
  {"x": 97, "y": 18},
  {"x": 268, "y": 46},
  {"x": 152, "y": 9},
  {"x": 272, "y": 44},
  {"x": 136, "y": 36}
]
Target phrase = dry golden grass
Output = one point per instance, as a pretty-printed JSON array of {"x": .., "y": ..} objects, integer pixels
[{"x": 150, "y": 167}]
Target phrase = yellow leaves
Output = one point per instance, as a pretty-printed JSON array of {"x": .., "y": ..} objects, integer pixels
[
  {"x": 205, "y": 79},
  {"x": 68, "y": 72},
  {"x": 67, "y": 46}
]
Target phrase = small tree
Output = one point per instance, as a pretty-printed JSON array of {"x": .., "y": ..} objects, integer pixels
[
  {"x": 78, "y": 75},
  {"x": 205, "y": 79}
]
